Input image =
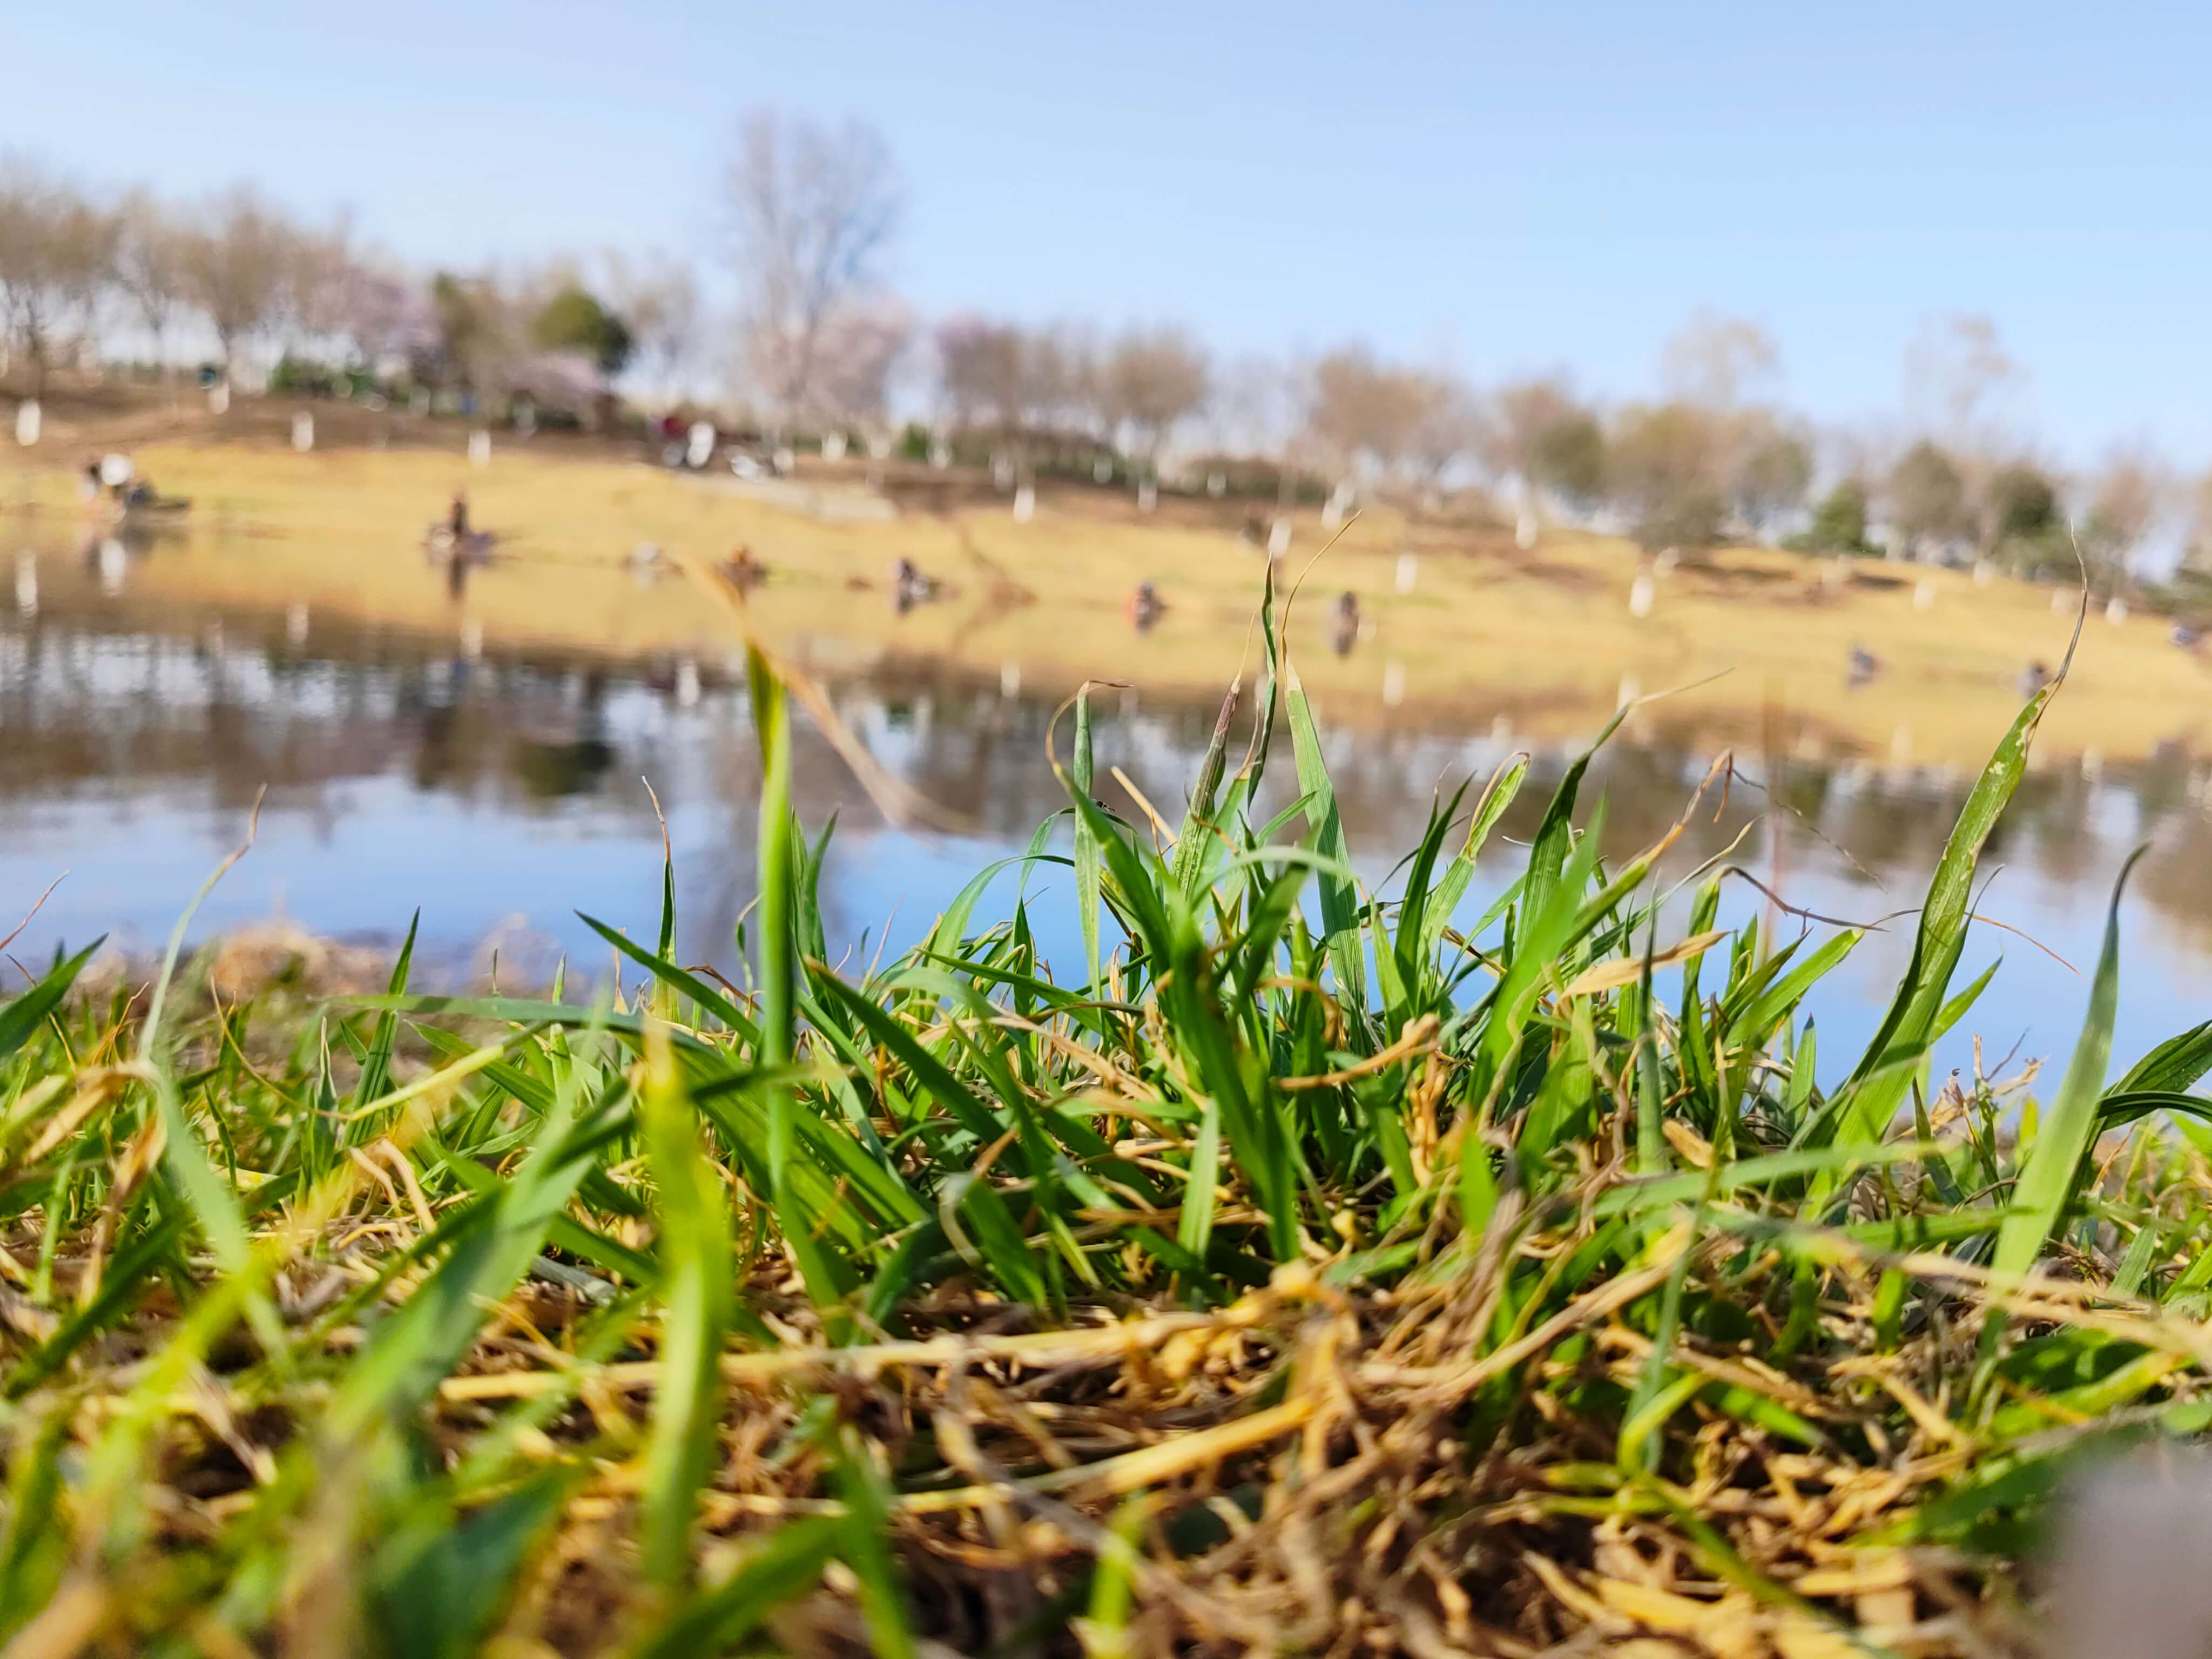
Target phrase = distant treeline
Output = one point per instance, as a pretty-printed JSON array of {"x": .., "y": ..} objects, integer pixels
[{"x": 818, "y": 344}]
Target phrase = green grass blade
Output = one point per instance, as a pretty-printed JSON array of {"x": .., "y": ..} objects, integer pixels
[
  {"x": 437, "y": 1586},
  {"x": 663, "y": 968},
  {"x": 20, "y": 1019},
  {"x": 695, "y": 1253},
  {"x": 1547, "y": 854},
  {"x": 778, "y": 969},
  {"x": 1909, "y": 1026},
  {"x": 1340, "y": 902},
  {"x": 1087, "y": 872},
  {"x": 376, "y": 1068},
  {"x": 781, "y": 1568},
  {"x": 2178, "y": 1063},
  {"x": 1497, "y": 795},
  {"x": 2054, "y": 1169},
  {"x": 866, "y": 1550},
  {"x": 1195, "y": 845}
]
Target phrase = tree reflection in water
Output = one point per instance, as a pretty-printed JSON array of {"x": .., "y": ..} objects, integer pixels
[{"x": 129, "y": 732}]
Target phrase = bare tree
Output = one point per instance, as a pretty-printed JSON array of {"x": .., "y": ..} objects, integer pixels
[
  {"x": 1712, "y": 360},
  {"x": 1245, "y": 413},
  {"x": 1075, "y": 356},
  {"x": 1958, "y": 376},
  {"x": 1364, "y": 409},
  {"x": 384, "y": 316},
  {"x": 149, "y": 266},
  {"x": 1054, "y": 374},
  {"x": 1926, "y": 498},
  {"x": 56, "y": 250},
  {"x": 855, "y": 355},
  {"x": 2130, "y": 494},
  {"x": 660, "y": 301},
  {"x": 1158, "y": 378},
  {"x": 1522, "y": 412},
  {"x": 238, "y": 267},
  {"x": 1448, "y": 426},
  {"x": 980, "y": 373},
  {"x": 317, "y": 282},
  {"x": 812, "y": 210}
]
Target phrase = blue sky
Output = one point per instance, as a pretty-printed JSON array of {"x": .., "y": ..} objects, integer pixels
[{"x": 1518, "y": 187}]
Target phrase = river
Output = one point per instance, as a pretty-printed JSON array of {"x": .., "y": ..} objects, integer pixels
[{"x": 500, "y": 788}]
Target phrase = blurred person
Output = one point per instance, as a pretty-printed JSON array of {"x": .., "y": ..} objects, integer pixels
[
  {"x": 909, "y": 586},
  {"x": 1145, "y": 607}
]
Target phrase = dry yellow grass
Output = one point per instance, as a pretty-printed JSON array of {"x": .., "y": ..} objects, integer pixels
[{"x": 1546, "y": 638}]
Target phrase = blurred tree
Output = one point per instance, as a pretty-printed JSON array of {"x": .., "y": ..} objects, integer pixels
[
  {"x": 237, "y": 266},
  {"x": 317, "y": 284},
  {"x": 1662, "y": 470},
  {"x": 1569, "y": 458},
  {"x": 2197, "y": 539},
  {"x": 1958, "y": 373},
  {"x": 1540, "y": 438},
  {"x": 1839, "y": 522},
  {"x": 149, "y": 266},
  {"x": 1771, "y": 478},
  {"x": 660, "y": 300},
  {"x": 1448, "y": 427},
  {"x": 476, "y": 345},
  {"x": 855, "y": 353},
  {"x": 1363, "y": 409},
  {"x": 2129, "y": 496},
  {"x": 1050, "y": 381},
  {"x": 1925, "y": 496},
  {"x": 1080, "y": 370},
  {"x": 1712, "y": 360},
  {"x": 980, "y": 373},
  {"x": 1157, "y": 378},
  {"x": 812, "y": 210},
  {"x": 57, "y": 251},
  {"x": 383, "y": 316},
  {"x": 2019, "y": 502},
  {"x": 573, "y": 319}
]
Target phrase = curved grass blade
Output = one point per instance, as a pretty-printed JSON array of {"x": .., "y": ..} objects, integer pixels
[
  {"x": 1877, "y": 1084},
  {"x": 2179, "y": 1063},
  {"x": 1195, "y": 844},
  {"x": 663, "y": 968},
  {"x": 2054, "y": 1169},
  {"x": 22, "y": 1017},
  {"x": 1497, "y": 795}
]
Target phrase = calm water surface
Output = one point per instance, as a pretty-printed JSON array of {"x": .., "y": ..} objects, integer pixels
[{"x": 502, "y": 789}]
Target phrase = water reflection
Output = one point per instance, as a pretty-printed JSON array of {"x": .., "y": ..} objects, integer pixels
[{"x": 500, "y": 788}]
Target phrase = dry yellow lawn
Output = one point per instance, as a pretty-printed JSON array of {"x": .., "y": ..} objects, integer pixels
[{"x": 1546, "y": 638}]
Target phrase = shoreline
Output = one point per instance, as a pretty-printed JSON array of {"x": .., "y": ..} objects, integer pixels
[{"x": 1750, "y": 634}]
